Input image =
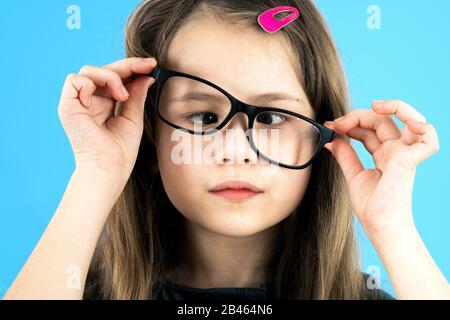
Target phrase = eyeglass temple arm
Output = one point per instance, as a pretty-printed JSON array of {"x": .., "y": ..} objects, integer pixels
[
  {"x": 330, "y": 135},
  {"x": 155, "y": 72}
]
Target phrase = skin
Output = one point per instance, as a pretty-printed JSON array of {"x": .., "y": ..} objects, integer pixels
[
  {"x": 222, "y": 235},
  {"x": 227, "y": 236},
  {"x": 382, "y": 197}
]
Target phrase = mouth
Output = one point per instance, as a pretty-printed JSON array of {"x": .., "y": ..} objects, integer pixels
[{"x": 236, "y": 190}]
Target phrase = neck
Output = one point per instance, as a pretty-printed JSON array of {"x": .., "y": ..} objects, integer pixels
[{"x": 210, "y": 260}]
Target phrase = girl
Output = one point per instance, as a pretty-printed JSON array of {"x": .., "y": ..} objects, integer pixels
[{"x": 136, "y": 224}]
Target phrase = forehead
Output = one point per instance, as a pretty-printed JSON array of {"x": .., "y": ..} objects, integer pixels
[{"x": 238, "y": 59}]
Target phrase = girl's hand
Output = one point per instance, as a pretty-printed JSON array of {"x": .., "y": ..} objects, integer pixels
[
  {"x": 382, "y": 197},
  {"x": 102, "y": 141}
]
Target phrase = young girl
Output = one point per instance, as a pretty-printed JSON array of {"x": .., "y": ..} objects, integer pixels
[{"x": 134, "y": 223}]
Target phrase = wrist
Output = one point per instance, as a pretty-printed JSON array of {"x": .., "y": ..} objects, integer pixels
[
  {"x": 91, "y": 194},
  {"x": 393, "y": 230},
  {"x": 115, "y": 180}
]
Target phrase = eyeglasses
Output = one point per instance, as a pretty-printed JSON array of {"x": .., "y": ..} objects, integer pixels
[{"x": 200, "y": 107}]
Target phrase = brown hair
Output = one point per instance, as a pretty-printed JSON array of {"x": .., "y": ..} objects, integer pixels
[{"x": 317, "y": 255}]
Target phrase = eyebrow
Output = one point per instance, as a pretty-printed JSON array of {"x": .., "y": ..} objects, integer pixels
[
  {"x": 265, "y": 97},
  {"x": 197, "y": 95},
  {"x": 277, "y": 96}
]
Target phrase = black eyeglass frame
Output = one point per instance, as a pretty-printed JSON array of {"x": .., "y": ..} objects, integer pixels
[{"x": 161, "y": 75}]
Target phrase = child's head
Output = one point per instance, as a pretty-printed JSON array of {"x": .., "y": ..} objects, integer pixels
[
  {"x": 246, "y": 63},
  {"x": 221, "y": 41}
]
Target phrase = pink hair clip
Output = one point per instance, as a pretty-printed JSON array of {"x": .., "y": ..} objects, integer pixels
[{"x": 268, "y": 22}]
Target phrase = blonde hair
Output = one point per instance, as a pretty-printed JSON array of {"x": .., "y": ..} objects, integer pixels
[{"x": 317, "y": 253}]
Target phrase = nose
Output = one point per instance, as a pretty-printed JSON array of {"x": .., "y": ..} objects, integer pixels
[{"x": 236, "y": 147}]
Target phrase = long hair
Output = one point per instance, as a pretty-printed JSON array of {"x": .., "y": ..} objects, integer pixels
[{"x": 317, "y": 255}]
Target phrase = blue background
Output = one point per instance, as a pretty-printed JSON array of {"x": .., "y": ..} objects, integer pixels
[{"x": 407, "y": 59}]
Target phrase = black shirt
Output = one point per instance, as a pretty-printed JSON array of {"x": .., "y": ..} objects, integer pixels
[{"x": 172, "y": 291}]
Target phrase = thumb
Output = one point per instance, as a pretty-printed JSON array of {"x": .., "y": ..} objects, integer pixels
[
  {"x": 133, "y": 107},
  {"x": 346, "y": 156}
]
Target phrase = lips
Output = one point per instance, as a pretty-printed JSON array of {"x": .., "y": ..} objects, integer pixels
[
  {"x": 236, "y": 185},
  {"x": 236, "y": 190}
]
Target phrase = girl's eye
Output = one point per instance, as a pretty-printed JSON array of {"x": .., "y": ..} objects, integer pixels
[
  {"x": 271, "y": 118},
  {"x": 205, "y": 118}
]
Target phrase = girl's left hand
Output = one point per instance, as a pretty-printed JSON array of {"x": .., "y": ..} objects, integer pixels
[{"x": 382, "y": 197}]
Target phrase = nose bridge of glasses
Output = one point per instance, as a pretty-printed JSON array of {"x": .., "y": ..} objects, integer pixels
[{"x": 239, "y": 107}]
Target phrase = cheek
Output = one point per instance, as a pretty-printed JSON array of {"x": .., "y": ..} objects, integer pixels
[
  {"x": 182, "y": 182},
  {"x": 183, "y": 186},
  {"x": 289, "y": 189}
]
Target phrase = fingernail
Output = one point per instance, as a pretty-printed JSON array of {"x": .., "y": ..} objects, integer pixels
[
  {"x": 90, "y": 101},
  {"x": 339, "y": 119},
  {"x": 125, "y": 92}
]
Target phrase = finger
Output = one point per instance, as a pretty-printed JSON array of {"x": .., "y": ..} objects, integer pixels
[
  {"x": 347, "y": 158},
  {"x": 428, "y": 143},
  {"x": 133, "y": 108},
  {"x": 79, "y": 87},
  {"x": 383, "y": 126},
  {"x": 366, "y": 136},
  {"x": 102, "y": 109},
  {"x": 107, "y": 79},
  {"x": 402, "y": 112},
  {"x": 400, "y": 109},
  {"x": 129, "y": 67}
]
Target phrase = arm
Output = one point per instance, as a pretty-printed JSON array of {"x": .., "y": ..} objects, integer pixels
[
  {"x": 68, "y": 242},
  {"x": 411, "y": 268},
  {"x": 105, "y": 146}
]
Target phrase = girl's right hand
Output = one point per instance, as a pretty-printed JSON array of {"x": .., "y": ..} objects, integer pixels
[{"x": 101, "y": 141}]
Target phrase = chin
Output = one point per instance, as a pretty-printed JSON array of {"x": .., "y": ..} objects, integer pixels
[{"x": 236, "y": 223}]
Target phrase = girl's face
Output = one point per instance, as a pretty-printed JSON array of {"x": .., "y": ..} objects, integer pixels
[{"x": 245, "y": 64}]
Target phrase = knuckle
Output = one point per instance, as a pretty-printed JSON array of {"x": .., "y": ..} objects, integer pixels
[
  {"x": 111, "y": 75},
  {"x": 115, "y": 76},
  {"x": 430, "y": 128},
  {"x": 85, "y": 68},
  {"x": 437, "y": 147},
  {"x": 70, "y": 77},
  {"x": 349, "y": 114}
]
